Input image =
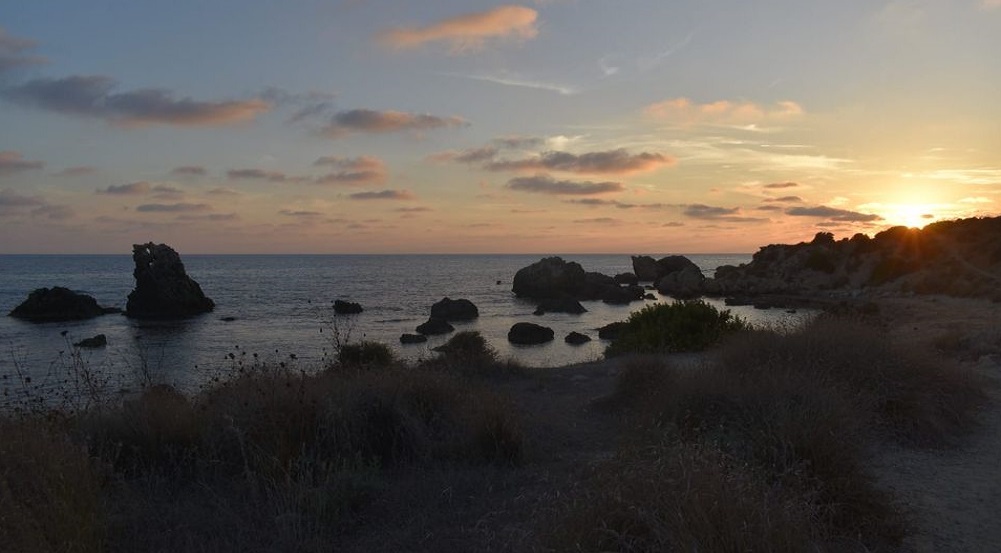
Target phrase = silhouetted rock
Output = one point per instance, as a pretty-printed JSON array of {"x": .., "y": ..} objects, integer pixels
[
  {"x": 342, "y": 307},
  {"x": 434, "y": 327},
  {"x": 55, "y": 305},
  {"x": 527, "y": 334},
  {"x": 563, "y": 304},
  {"x": 576, "y": 338},
  {"x": 611, "y": 330},
  {"x": 163, "y": 288},
  {"x": 98, "y": 341},
  {"x": 683, "y": 283},
  {"x": 645, "y": 268},
  {"x": 628, "y": 279},
  {"x": 227, "y": 319},
  {"x": 550, "y": 277},
  {"x": 413, "y": 339},
  {"x": 454, "y": 310}
]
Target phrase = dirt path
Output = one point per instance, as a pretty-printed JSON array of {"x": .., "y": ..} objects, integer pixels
[{"x": 954, "y": 495}]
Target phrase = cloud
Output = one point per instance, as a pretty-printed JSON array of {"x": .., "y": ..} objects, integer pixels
[
  {"x": 515, "y": 142},
  {"x": 78, "y": 171},
  {"x": 210, "y": 217},
  {"x": 354, "y": 171},
  {"x": 977, "y": 199},
  {"x": 384, "y": 195},
  {"x": 520, "y": 82},
  {"x": 990, "y": 4},
  {"x": 544, "y": 184},
  {"x": 222, "y": 191},
  {"x": 468, "y": 32},
  {"x": 472, "y": 155},
  {"x": 360, "y": 163},
  {"x": 14, "y": 204},
  {"x": 785, "y": 199},
  {"x": 300, "y": 213},
  {"x": 189, "y": 171},
  {"x": 258, "y": 174},
  {"x": 307, "y": 106},
  {"x": 833, "y": 214},
  {"x": 612, "y": 162},
  {"x": 132, "y": 189},
  {"x": 722, "y": 112},
  {"x": 14, "y": 162},
  {"x": 93, "y": 96},
  {"x": 420, "y": 209},
  {"x": 715, "y": 213},
  {"x": 173, "y": 208},
  {"x": 13, "y": 52},
  {"x": 596, "y": 202},
  {"x": 780, "y": 185},
  {"x": 373, "y": 121},
  {"x": 599, "y": 221}
]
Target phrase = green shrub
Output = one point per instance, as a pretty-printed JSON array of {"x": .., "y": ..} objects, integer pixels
[
  {"x": 691, "y": 325},
  {"x": 365, "y": 354}
]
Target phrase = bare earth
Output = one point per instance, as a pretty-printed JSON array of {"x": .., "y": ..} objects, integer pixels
[{"x": 952, "y": 495}]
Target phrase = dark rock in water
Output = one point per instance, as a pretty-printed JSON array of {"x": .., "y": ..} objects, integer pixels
[
  {"x": 454, "y": 310},
  {"x": 675, "y": 263},
  {"x": 528, "y": 334},
  {"x": 628, "y": 279},
  {"x": 413, "y": 339},
  {"x": 622, "y": 295},
  {"x": 163, "y": 288},
  {"x": 342, "y": 307},
  {"x": 227, "y": 319},
  {"x": 434, "y": 327},
  {"x": 98, "y": 341},
  {"x": 564, "y": 304},
  {"x": 645, "y": 268},
  {"x": 611, "y": 330},
  {"x": 549, "y": 278},
  {"x": 576, "y": 338},
  {"x": 55, "y": 305},
  {"x": 649, "y": 297}
]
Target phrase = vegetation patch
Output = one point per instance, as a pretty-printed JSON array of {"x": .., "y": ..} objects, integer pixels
[{"x": 691, "y": 325}]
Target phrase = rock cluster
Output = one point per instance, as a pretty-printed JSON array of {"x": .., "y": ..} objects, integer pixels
[
  {"x": 57, "y": 304},
  {"x": 553, "y": 278},
  {"x": 163, "y": 288},
  {"x": 342, "y": 307}
]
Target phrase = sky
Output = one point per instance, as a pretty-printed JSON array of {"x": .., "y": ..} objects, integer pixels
[{"x": 446, "y": 126}]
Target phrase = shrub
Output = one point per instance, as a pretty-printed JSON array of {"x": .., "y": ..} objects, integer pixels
[
  {"x": 691, "y": 325},
  {"x": 49, "y": 490},
  {"x": 365, "y": 355}
]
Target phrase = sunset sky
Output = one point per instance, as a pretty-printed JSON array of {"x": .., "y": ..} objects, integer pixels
[{"x": 556, "y": 126}]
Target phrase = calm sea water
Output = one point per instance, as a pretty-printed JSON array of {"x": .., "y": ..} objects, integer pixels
[{"x": 282, "y": 307}]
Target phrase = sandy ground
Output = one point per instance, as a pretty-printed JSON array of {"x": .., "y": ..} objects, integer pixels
[{"x": 953, "y": 496}]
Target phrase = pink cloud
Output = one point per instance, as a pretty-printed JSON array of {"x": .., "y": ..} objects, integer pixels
[
  {"x": 683, "y": 110},
  {"x": 467, "y": 32}
]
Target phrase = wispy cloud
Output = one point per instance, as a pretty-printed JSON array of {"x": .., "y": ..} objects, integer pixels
[
  {"x": 14, "y": 162},
  {"x": 384, "y": 195},
  {"x": 173, "y": 208},
  {"x": 648, "y": 63},
  {"x": 373, "y": 121},
  {"x": 78, "y": 171},
  {"x": 13, "y": 204},
  {"x": 94, "y": 96},
  {"x": 716, "y": 213},
  {"x": 14, "y": 52},
  {"x": 131, "y": 189},
  {"x": 611, "y": 162},
  {"x": 260, "y": 174},
  {"x": 468, "y": 32},
  {"x": 189, "y": 171},
  {"x": 545, "y": 184},
  {"x": 833, "y": 214},
  {"x": 722, "y": 112},
  {"x": 520, "y": 82}
]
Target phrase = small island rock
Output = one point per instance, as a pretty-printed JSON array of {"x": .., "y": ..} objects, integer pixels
[
  {"x": 454, "y": 310},
  {"x": 57, "y": 304},
  {"x": 413, "y": 339},
  {"x": 434, "y": 327},
  {"x": 576, "y": 339},
  {"x": 527, "y": 334},
  {"x": 342, "y": 307},
  {"x": 98, "y": 341},
  {"x": 563, "y": 304}
]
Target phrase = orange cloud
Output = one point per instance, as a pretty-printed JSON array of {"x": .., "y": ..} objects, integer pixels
[
  {"x": 14, "y": 162},
  {"x": 683, "y": 110},
  {"x": 467, "y": 32},
  {"x": 373, "y": 121}
]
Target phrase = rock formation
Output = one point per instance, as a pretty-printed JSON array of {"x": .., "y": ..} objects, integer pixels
[
  {"x": 413, "y": 338},
  {"x": 553, "y": 278},
  {"x": 527, "y": 334},
  {"x": 576, "y": 338},
  {"x": 564, "y": 304},
  {"x": 434, "y": 327},
  {"x": 163, "y": 288},
  {"x": 56, "y": 305},
  {"x": 98, "y": 341},
  {"x": 454, "y": 310},
  {"x": 342, "y": 307}
]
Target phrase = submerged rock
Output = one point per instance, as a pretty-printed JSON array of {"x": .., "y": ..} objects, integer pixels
[
  {"x": 163, "y": 288},
  {"x": 576, "y": 339},
  {"x": 527, "y": 334},
  {"x": 413, "y": 339},
  {"x": 565, "y": 304},
  {"x": 57, "y": 304},
  {"x": 454, "y": 310}
]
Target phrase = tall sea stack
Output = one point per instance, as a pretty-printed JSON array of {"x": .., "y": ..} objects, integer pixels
[{"x": 163, "y": 288}]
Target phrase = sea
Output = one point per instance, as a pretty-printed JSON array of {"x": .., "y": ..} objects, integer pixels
[{"x": 278, "y": 309}]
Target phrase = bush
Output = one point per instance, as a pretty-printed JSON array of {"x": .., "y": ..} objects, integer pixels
[
  {"x": 691, "y": 325},
  {"x": 365, "y": 355}
]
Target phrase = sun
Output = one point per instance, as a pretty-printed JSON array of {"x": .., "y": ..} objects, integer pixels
[{"x": 910, "y": 215}]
